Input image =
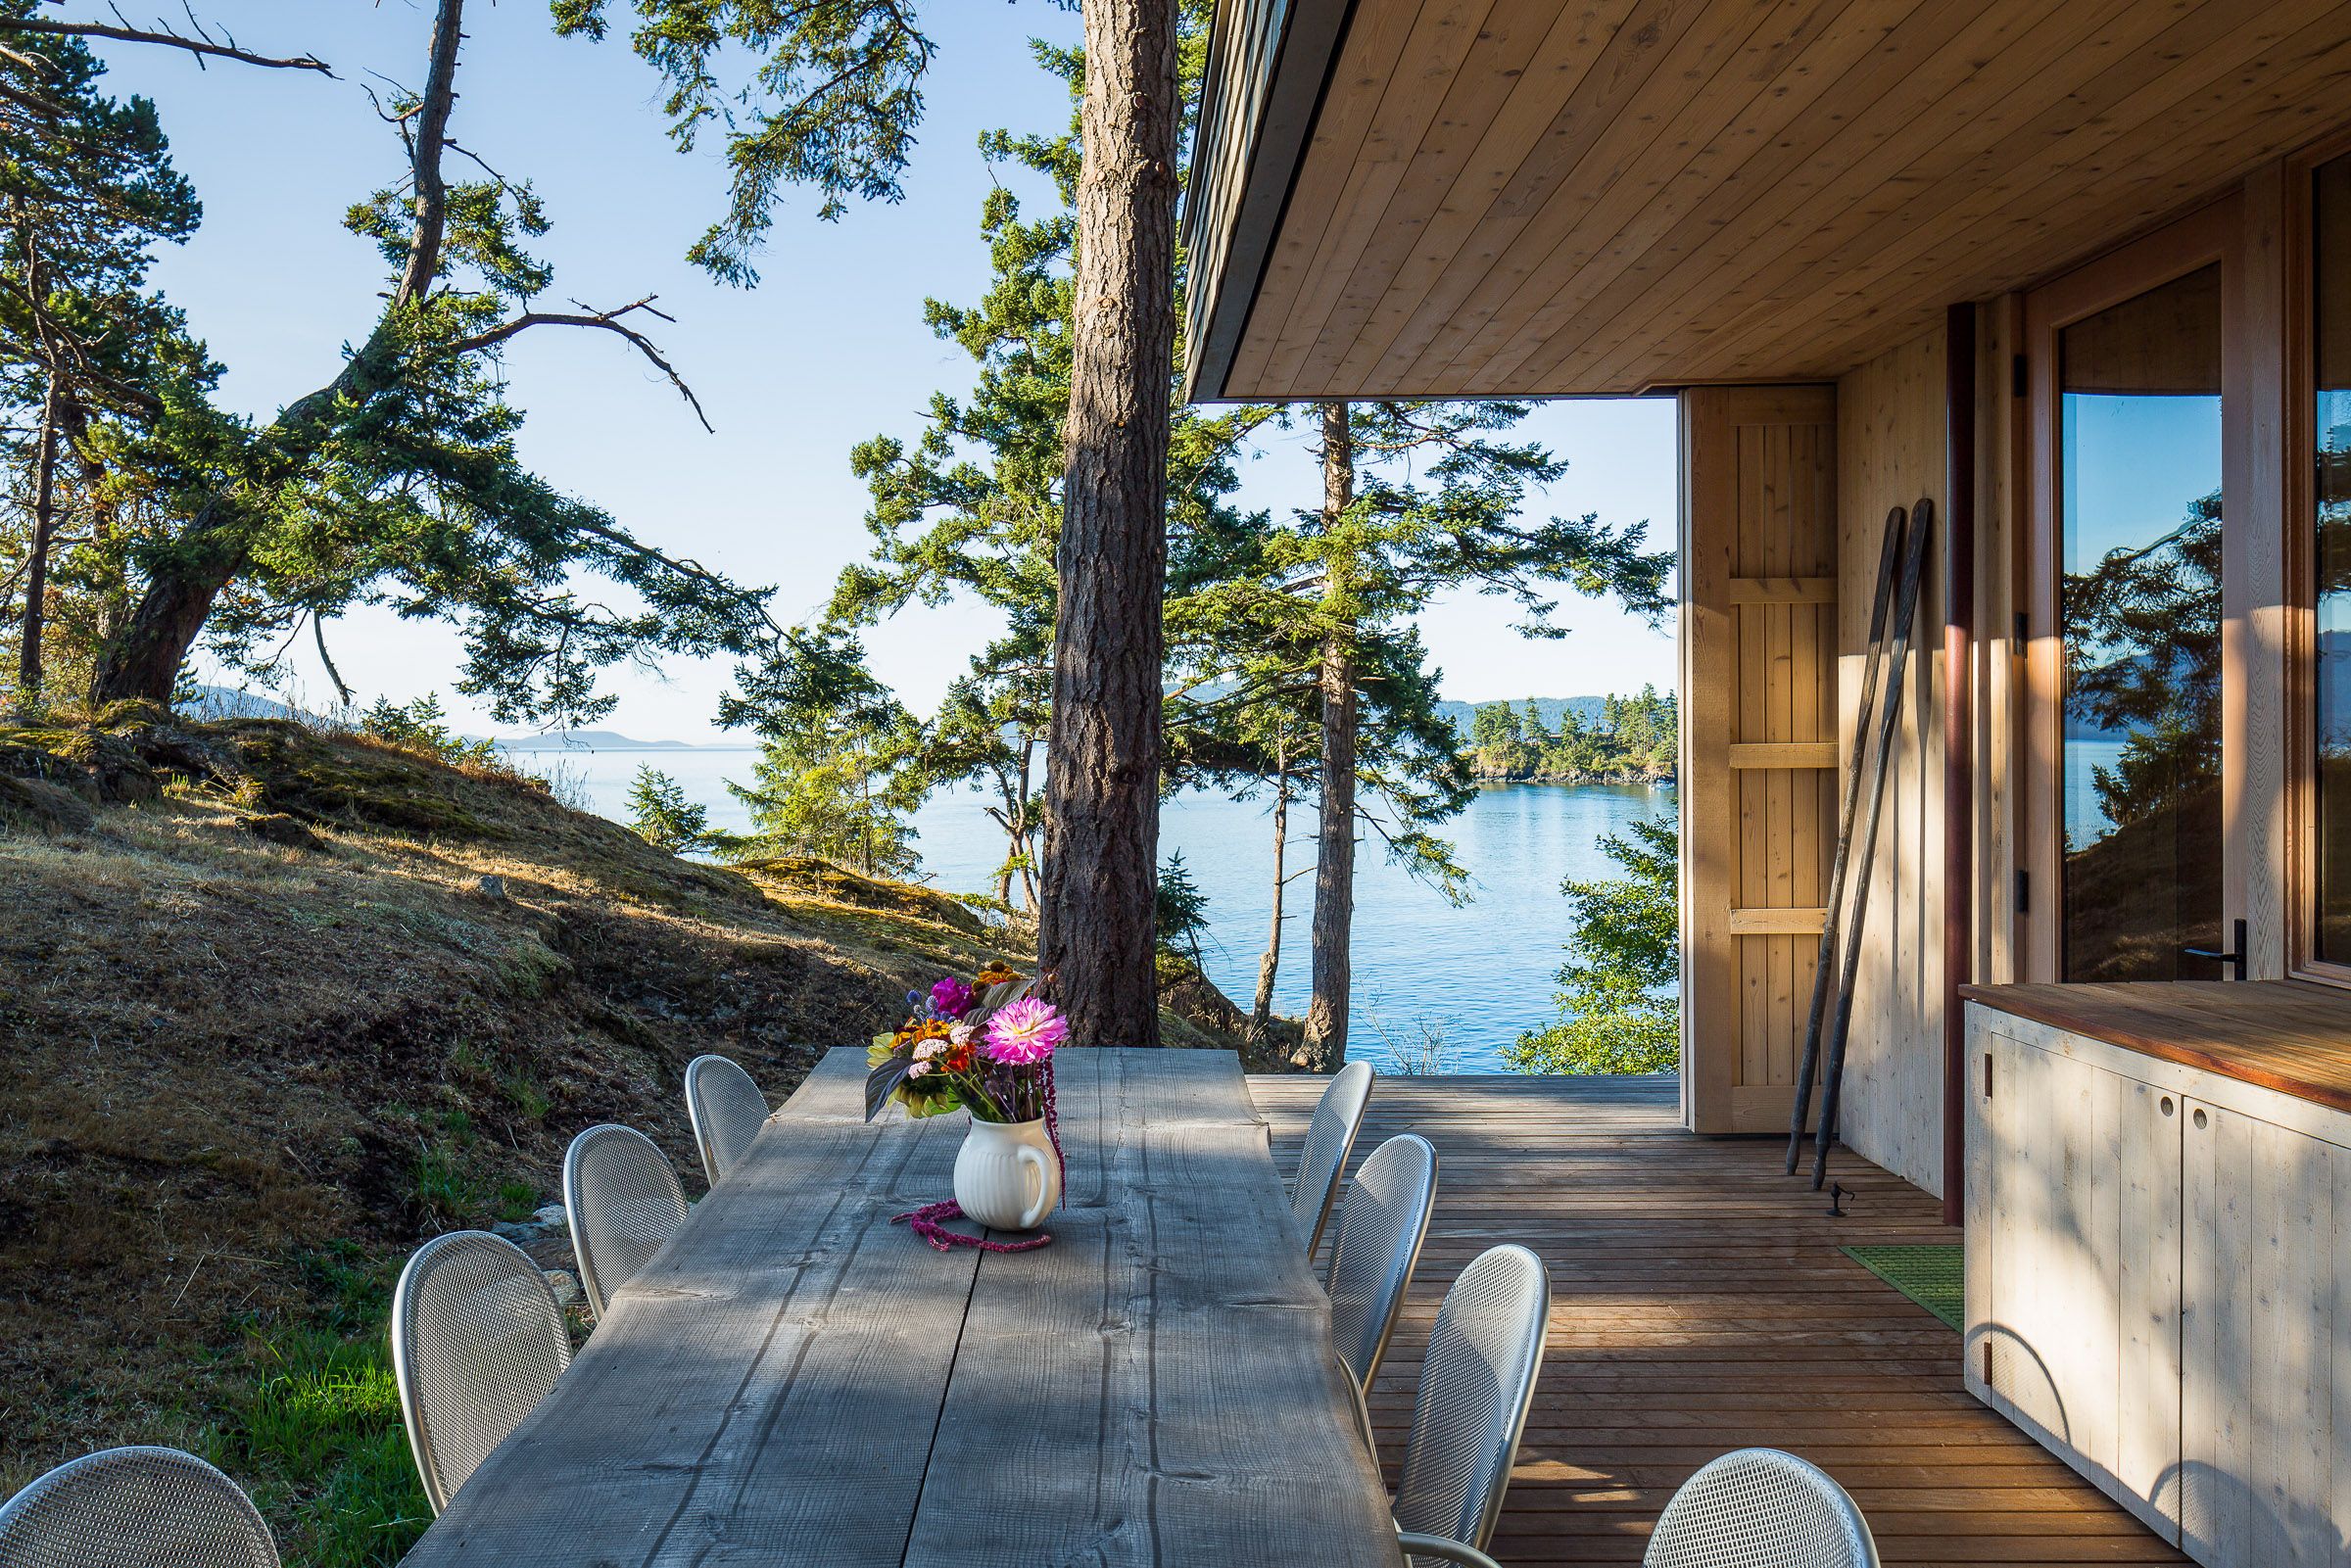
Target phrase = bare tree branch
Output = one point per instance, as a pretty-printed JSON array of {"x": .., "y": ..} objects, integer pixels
[
  {"x": 610, "y": 321},
  {"x": 199, "y": 44}
]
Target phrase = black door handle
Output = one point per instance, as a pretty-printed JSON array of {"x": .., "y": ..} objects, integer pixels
[{"x": 2235, "y": 960}]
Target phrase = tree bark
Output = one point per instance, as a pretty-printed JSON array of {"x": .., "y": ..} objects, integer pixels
[
  {"x": 1103, "y": 753},
  {"x": 1268, "y": 967},
  {"x": 37, "y": 562},
  {"x": 1325, "y": 1047},
  {"x": 144, "y": 658}
]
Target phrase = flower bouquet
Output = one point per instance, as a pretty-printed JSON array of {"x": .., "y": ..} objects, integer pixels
[{"x": 984, "y": 1046}]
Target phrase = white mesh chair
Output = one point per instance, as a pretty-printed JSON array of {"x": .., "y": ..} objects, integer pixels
[
  {"x": 134, "y": 1508},
  {"x": 1323, "y": 1159},
  {"x": 477, "y": 1341},
  {"x": 1477, "y": 1380},
  {"x": 727, "y": 1110},
  {"x": 623, "y": 1201},
  {"x": 1761, "y": 1508},
  {"x": 1382, "y": 1221}
]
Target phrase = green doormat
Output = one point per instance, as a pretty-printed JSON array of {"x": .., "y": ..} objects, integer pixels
[{"x": 1929, "y": 1275}]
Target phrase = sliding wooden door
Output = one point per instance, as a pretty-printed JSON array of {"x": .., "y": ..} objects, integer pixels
[{"x": 1759, "y": 764}]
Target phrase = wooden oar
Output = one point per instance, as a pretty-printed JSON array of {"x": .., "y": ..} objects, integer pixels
[
  {"x": 1825, "y": 964},
  {"x": 1905, "y": 613}
]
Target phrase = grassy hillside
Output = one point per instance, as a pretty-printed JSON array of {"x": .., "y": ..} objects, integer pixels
[{"x": 277, "y": 1006}]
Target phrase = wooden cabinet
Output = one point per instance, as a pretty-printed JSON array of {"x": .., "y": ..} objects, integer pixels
[
  {"x": 2261, "y": 1481},
  {"x": 2079, "y": 1241},
  {"x": 2157, "y": 1290}
]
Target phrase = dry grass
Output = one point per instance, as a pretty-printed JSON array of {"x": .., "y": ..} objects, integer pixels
[{"x": 223, "y": 1057}]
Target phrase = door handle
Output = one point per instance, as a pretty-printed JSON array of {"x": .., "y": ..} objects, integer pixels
[{"x": 2235, "y": 960}]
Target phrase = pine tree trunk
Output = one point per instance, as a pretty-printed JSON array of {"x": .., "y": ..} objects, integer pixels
[
  {"x": 1103, "y": 753},
  {"x": 36, "y": 563},
  {"x": 1325, "y": 1046},
  {"x": 1268, "y": 967}
]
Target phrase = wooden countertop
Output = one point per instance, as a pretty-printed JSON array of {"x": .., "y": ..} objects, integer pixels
[{"x": 2286, "y": 1035}]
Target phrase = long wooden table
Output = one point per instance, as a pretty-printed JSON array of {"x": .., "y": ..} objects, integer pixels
[{"x": 795, "y": 1380}]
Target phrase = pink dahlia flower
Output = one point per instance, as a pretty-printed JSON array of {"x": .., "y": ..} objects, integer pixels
[
  {"x": 1025, "y": 1031},
  {"x": 951, "y": 998}
]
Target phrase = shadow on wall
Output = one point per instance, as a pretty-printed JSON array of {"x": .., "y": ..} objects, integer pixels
[
  {"x": 2221, "y": 1519},
  {"x": 2020, "y": 1375}
]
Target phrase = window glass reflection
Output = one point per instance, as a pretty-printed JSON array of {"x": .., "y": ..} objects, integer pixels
[{"x": 2140, "y": 603}]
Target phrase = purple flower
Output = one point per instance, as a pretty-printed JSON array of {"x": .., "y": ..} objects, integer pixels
[
  {"x": 1025, "y": 1031},
  {"x": 951, "y": 998}
]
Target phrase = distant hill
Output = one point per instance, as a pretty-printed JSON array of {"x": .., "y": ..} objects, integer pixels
[
  {"x": 588, "y": 740},
  {"x": 230, "y": 702},
  {"x": 1587, "y": 709}
]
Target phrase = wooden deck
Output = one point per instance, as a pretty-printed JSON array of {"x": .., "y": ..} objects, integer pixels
[{"x": 1700, "y": 1304}]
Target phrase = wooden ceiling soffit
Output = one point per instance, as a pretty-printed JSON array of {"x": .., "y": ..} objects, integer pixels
[{"x": 1532, "y": 198}]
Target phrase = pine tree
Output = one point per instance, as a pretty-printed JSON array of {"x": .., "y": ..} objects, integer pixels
[
  {"x": 398, "y": 482},
  {"x": 1419, "y": 499},
  {"x": 971, "y": 508},
  {"x": 1618, "y": 1012},
  {"x": 87, "y": 351},
  {"x": 660, "y": 814}
]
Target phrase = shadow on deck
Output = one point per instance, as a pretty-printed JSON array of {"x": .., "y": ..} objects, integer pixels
[{"x": 1700, "y": 1304}]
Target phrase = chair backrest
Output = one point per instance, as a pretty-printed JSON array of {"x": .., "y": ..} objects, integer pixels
[
  {"x": 727, "y": 1110},
  {"x": 1323, "y": 1159},
  {"x": 623, "y": 1201},
  {"x": 477, "y": 1341},
  {"x": 134, "y": 1508},
  {"x": 1477, "y": 1380},
  {"x": 1382, "y": 1221},
  {"x": 1760, "y": 1506}
]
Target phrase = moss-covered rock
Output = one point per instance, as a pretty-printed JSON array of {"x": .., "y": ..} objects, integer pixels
[{"x": 35, "y": 806}]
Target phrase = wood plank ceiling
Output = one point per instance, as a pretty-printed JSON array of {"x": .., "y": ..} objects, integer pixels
[{"x": 1569, "y": 197}]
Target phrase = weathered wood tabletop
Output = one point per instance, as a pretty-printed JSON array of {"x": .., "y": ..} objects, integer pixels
[{"x": 795, "y": 1380}]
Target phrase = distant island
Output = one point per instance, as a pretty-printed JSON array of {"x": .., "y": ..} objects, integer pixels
[
  {"x": 1574, "y": 740},
  {"x": 588, "y": 740}
]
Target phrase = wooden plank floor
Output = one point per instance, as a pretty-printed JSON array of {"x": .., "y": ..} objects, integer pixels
[{"x": 1700, "y": 1304}]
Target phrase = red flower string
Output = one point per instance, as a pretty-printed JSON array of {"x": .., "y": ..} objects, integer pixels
[{"x": 925, "y": 1222}]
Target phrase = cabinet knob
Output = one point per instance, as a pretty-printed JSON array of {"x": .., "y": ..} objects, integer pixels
[
  {"x": 2167, "y": 1105},
  {"x": 2201, "y": 1120}
]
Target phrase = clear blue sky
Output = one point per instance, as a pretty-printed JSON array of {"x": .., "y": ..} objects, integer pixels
[{"x": 828, "y": 351}]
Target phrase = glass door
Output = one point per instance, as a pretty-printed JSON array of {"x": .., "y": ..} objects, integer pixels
[{"x": 2129, "y": 681}]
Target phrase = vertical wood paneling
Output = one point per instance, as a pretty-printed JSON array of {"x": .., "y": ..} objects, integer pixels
[
  {"x": 1892, "y": 447},
  {"x": 1759, "y": 501}
]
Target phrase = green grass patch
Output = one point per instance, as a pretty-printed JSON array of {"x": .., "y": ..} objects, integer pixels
[{"x": 316, "y": 1436}]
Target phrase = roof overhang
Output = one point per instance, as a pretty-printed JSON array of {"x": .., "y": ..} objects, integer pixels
[{"x": 1557, "y": 198}]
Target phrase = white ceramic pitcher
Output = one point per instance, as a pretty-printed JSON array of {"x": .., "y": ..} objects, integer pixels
[{"x": 1005, "y": 1174}]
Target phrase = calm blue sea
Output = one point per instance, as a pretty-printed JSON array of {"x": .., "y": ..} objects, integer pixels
[{"x": 1478, "y": 973}]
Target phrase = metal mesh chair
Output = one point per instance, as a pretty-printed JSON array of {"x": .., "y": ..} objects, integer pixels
[
  {"x": 477, "y": 1341},
  {"x": 624, "y": 1202},
  {"x": 1477, "y": 1380},
  {"x": 1382, "y": 1221},
  {"x": 727, "y": 1110},
  {"x": 1323, "y": 1159},
  {"x": 134, "y": 1508},
  {"x": 1761, "y": 1508}
]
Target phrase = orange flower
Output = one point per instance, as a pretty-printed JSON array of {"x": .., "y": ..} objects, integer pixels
[{"x": 997, "y": 972}]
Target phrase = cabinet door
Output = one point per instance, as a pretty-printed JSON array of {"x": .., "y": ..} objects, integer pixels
[
  {"x": 2081, "y": 1342},
  {"x": 2261, "y": 1482}
]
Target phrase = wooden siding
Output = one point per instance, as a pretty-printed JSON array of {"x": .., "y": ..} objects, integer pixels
[
  {"x": 1524, "y": 197},
  {"x": 1892, "y": 437},
  {"x": 1758, "y": 775},
  {"x": 1700, "y": 1304}
]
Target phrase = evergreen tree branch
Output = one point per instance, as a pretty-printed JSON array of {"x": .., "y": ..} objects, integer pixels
[
  {"x": 199, "y": 43},
  {"x": 608, "y": 320}
]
